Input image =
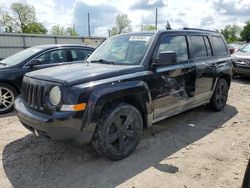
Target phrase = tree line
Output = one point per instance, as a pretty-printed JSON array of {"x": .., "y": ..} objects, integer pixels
[
  {"x": 21, "y": 18},
  {"x": 234, "y": 33}
]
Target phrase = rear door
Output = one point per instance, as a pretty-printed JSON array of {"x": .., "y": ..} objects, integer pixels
[
  {"x": 172, "y": 85},
  {"x": 205, "y": 62}
]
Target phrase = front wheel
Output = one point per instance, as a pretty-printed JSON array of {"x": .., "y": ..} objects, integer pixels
[
  {"x": 7, "y": 98},
  {"x": 118, "y": 131},
  {"x": 219, "y": 98}
]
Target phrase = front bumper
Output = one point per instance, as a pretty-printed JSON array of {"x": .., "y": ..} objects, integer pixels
[
  {"x": 241, "y": 70},
  {"x": 61, "y": 126}
]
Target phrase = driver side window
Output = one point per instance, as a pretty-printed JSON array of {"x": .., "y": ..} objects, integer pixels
[
  {"x": 176, "y": 44},
  {"x": 57, "y": 56}
]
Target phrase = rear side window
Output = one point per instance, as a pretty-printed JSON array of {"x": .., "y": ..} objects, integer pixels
[
  {"x": 176, "y": 44},
  {"x": 80, "y": 54},
  {"x": 220, "y": 47},
  {"x": 198, "y": 47}
]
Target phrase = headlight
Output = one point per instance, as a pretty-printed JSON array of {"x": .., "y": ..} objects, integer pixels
[{"x": 55, "y": 96}]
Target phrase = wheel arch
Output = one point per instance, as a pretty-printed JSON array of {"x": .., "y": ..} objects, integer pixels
[
  {"x": 12, "y": 85},
  {"x": 227, "y": 78},
  {"x": 135, "y": 93}
]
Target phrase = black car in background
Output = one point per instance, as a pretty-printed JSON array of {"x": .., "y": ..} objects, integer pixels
[
  {"x": 242, "y": 61},
  {"x": 13, "y": 68}
]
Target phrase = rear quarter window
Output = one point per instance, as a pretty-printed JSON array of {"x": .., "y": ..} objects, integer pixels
[{"x": 220, "y": 47}]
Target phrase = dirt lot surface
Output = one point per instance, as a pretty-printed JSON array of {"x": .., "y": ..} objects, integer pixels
[{"x": 198, "y": 148}]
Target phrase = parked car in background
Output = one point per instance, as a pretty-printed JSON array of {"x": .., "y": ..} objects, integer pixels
[
  {"x": 242, "y": 61},
  {"x": 128, "y": 83},
  {"x": 234, "y": 47},
  {"x": 13, "y": 68}
]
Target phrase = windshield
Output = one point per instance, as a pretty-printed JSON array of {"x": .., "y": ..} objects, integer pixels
[
  {"x": 122, "y": 50},
  {"x": 20, "y": 56},
  {"x": 246, "y": 48}
]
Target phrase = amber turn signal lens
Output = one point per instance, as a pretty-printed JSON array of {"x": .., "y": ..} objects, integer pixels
[
  {"x": 75, "y": 107},
  {"x": 79, "y": 107}
]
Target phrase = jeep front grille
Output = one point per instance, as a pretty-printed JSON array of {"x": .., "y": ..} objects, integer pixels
[{"x": 32, "y": 95}]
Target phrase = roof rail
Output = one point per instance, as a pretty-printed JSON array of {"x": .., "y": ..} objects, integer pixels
[{"x": 186, "y": 28}]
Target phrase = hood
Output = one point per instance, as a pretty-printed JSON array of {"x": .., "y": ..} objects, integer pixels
[
  {"x": 3, "y": 67},
  {"x": 74, "y": 74},
  {"x": 241, "y": 55}
]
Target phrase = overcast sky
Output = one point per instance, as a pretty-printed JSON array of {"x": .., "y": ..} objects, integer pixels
[{"x": 206, "y": 14}]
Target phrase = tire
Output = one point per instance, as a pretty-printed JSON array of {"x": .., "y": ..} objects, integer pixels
[
  {"x": 7, "y": 98},
  {"x": 118, "y": 131},
  {"x": 219, "y": 98}
]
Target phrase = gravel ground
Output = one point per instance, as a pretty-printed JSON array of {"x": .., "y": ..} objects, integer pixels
[{"x": 198, "y": 148}]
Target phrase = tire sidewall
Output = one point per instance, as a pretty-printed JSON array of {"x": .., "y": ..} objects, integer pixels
[
  {"x": 103, "y": 147},
  {"x": 215, "y": 104},
  {"x": 14, "y": 92}
]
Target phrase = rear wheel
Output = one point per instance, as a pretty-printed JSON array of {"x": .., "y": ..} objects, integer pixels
[
  {"x": 118, "y": 131},
  {"x": 7, "y": 98},
  {"x": 219, "y": 99}
]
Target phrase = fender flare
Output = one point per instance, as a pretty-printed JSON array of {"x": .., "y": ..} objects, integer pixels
[{"x": 110, "y": 92}]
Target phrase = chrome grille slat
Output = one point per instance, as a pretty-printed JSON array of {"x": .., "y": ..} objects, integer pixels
[{"x": 32, "y": 94}]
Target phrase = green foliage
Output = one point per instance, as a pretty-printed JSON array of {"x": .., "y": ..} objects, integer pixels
[
  {"x": 35, "y": 27},
  {"x": 22, "y": 18},
  {"x": 25, "y": 15},
  {"x": 71, "y": 31},
  {"x": 231, "y": 33},
  {"x": 58, "y": 30},
  {"x": 245, "y": 33},
  {"x": 122, "y": 25},
  {"x": 148, "y": 28},
  {"x": 6, "y": 21}
]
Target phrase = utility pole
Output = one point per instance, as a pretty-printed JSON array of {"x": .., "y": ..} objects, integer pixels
[
  {"x": 74, "y": 28},
  {"x": 88, "y": 25},
  {"x": 156, "y": 18}
]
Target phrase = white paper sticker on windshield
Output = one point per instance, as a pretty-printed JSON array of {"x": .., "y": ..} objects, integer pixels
[{"x": 139, "y": 38}]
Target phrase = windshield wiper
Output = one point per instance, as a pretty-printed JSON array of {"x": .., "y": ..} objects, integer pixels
[{"x": 103, "y": 61}]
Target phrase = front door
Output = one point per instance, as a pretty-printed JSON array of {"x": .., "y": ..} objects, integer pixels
[
  {"x": 53, "y": 58},
  {"x": 172, "y": 85}
]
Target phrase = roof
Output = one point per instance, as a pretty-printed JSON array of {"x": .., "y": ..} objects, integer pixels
[
  {"x": 185, "y": 30},
  {"x": 61, "y": 45}
]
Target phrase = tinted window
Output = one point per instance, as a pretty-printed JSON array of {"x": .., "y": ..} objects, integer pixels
[
  {"x": 219, "y": 46},
  {"x": 176, "y": 44},
  {"x": 57, "y": 56},
  {"x": 198, "y": 47},
  {"x": 80, "y": 54},
  {"x": 208, "y": 46}
]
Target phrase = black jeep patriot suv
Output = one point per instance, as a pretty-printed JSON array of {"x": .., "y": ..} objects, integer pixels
[{"x": 130, "y": 82}]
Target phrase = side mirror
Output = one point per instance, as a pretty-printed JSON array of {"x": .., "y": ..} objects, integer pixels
[
  {"x": 34, "y": 62},
  {"x": 166, "y": 58},
  {"x": 231, "y": 50}
]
